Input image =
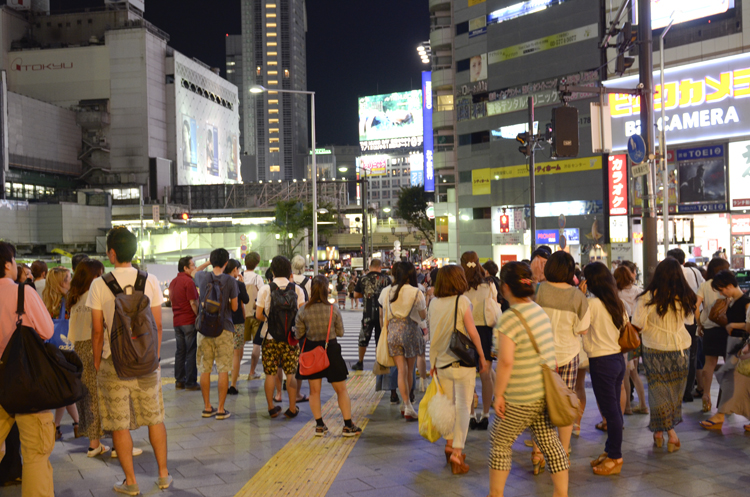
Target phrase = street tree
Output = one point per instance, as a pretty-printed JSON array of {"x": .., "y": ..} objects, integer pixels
[
  {"x": 292, "y": 217},
  {"x": 412, "y": 208}
]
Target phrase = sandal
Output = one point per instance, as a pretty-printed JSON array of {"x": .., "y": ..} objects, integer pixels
[
  {"x": 640, "y": 410},
  {"x": 290, "y": 414},
  {"x": 76, "y": 433},
  {"x": 537, "y": 460},
  {"x": 458, "y": 465},
  {"x": 605, "y": 469},
  {"x": 659, "y": 441},
  {"x": 706, "y": 404},
  {"x": 275, "y": 399},
  {"x": 58, "y": 434},
  {"x": 577, "y": 429},
  {"x": 601, "y": 426},
  {"x": 628, "y": 412},
  {"x": 747, "y": 427},
  {"x": 596, "y": 462},
  {"x": 304, "y": 398},
  {"x": 711, "y": 425},
  {"x": 274, "y": 413}
]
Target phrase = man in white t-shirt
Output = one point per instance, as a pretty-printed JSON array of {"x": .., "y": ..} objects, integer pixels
[
  {"x": 277, "y": 354},
  {"x": 115, "y": 394},
  {"x": 694, "y": 280},
  {"x": 253, "y": 283}
]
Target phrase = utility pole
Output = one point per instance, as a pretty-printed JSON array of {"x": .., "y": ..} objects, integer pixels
[
  {"x": 365, "y": 214},
  {"x": 532, "y": 173},
  {"x": 646, "y": 71}
]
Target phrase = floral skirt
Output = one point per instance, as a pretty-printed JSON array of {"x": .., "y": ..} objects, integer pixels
[
  {"x": 90, "y": 424},
  {"x": 666, "y": 372},
  {"x": 405, "y": 338}
]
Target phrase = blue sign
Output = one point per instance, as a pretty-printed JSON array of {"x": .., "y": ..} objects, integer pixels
[
  {"x": 572, "y": 235},
  {"x": 547, "y": 237},
  {"x": 428, "y": 140},
  {"x": 700, "y": 153},
  {"x": 636, "y": 149}
]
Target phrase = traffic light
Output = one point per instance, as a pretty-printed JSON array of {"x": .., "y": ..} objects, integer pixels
[
  {"x": 523, "y": 139},
  {"x": 626, "y": 38},
  {"x": 504, "y": 224},
  {"x": 180, "y": 217}
]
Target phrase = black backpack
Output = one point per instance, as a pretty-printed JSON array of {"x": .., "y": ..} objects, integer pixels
[
  {"x": 37, "y": 376},
  {"x": 134, "y": 338},
  {"x": 210, "y": 321},
  {"x": 283, "y": 313}
]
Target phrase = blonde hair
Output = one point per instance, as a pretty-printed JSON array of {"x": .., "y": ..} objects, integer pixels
[
  {"x": 298, "y": 264},
  {"x": 52, "y": 295}
]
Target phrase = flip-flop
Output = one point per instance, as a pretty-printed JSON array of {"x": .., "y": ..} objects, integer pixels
[
  {"x": 277, "y": 400},
  {"x": 601, "y": 426},
  {"x": 747, "y": 427},
  {"x": 274, "y": 412},
  {"x": 711, "y": 425},
  {"x": 304, "y": 398},
  {"x": 291, "y": 415}
]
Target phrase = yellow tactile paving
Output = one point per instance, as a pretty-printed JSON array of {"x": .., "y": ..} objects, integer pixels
[{"x": 307, "y": 465}]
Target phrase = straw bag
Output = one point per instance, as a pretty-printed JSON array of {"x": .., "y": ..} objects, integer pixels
[{"x": 562, "y": 403}]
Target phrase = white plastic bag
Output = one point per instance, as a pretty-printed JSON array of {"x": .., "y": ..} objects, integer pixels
[{"x": 442, "y": 410}]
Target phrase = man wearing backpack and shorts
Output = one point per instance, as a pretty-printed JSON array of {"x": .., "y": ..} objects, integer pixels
[
  {"x": 278, "y": 303},
  {"x": 118, "y": 387},
  {"x": 218, "y": 299}
]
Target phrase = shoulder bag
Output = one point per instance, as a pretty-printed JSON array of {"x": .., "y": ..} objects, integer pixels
[
  {"x": 562, "y": 403},
  {"x": 461, "y": 345},
  {"x": 630, "y": 338},
  {"x": 718, "y": 313},
  {"x": 491, "y": 308},
  {"x": 315, "y": 360}
]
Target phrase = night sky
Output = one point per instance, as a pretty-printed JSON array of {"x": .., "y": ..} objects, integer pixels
[{"x": 354, "y": 48}]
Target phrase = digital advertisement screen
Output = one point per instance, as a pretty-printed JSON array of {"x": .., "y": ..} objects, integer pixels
[
  {"x": 685, "y": 10},
  {"x": 394, "y": 115},
  {"x": 702, "y": 179}
]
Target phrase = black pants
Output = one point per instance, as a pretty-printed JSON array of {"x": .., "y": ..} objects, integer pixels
[
  {"x": 688, "y": 396},
  {"x": 607, "y": 373},
  {"x": 10, "y": 466}
]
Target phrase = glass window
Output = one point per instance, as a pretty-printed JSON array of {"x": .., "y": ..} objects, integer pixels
[
  {"x": 386, "y": 183},
  {"x": 444, "y": 102},
  {"x": 441, "y": 229}
]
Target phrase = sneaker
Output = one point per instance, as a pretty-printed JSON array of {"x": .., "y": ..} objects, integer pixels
[
  {"x": 410, "y": 414},
  {"x": 136, "y": 452},
  {"x": 232, "y": 391},
  {"x": 207, "y": 413},
  {"x": 102, "y": 449},
  {"x": 351, "y": 431},
  {"x": 164, "y": 483},
  {"x": 193, "y": 387},
  {"x": 253, "y": 376},
  {"x": 179, "y": 386},
  {"x": 321, "y": 430},
  {"x": 124, "y": 488},
  {"x": 359, "y": 366},
  {"x": 394, "y": 397},
  {"x": 223, "y": 415},
  {"x": 483, "y": 423}
]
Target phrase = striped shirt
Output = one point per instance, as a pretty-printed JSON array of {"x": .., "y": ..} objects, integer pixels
[{"x": 526, "y": 384}]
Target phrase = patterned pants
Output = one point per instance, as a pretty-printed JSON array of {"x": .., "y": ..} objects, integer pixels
[
  {"x": 569, "y": 373},
  {"x": 518, "y": 417}
]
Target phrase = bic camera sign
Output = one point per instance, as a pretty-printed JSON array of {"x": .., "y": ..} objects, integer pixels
[{"x": 703, "y": 101}]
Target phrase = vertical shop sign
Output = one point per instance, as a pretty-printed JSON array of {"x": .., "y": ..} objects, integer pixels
[
  {"x": 428, "y": 140},
  {"x": 618, "y": 185}
]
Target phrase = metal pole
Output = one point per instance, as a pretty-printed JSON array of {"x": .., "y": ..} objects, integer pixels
[
  {"x": 365, "y": 223},
  {"x": 140, "y": 217},
  {"x": 532, "y": 173},
  {"x": 646, "y": 68},
  {"x": 663, "y": 139},
  {"x": 314, "y": 257}
]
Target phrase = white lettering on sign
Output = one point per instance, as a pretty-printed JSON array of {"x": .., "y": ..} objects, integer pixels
[
  {"x": 698, "y": 119},
  {"x": 618, "y": 192}
]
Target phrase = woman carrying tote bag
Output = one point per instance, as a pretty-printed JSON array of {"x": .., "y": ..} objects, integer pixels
[
  {"x": 318, "y": 324},
  {"x": 519, "y": 385},
  {"x": 450, "y": 312}
]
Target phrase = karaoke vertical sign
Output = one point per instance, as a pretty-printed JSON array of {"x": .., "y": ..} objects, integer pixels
[{"x": 428, "y": 139}]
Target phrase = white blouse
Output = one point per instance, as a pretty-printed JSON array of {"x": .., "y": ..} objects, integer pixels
[
  {"x": 665, "y": 333},
  {"x": 603, "y": 336},
  {"x": 81, "y": 323}
]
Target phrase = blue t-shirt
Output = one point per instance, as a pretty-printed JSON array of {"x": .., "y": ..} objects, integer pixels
[{"x": 229, "y": 291}]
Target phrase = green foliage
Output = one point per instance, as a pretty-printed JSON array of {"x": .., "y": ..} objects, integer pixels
[
  {"x": 293, "y": 217},
  {"x": 412, "y": 208}
]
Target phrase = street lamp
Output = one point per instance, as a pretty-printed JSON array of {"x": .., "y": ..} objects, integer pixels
[
  {"x": 256, "y": 89},
  {"x": 343, "y": 169},
  {"x": 386, "y": 209}
]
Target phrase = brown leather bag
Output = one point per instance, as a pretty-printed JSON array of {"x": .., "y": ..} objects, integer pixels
[
  {"x": 562, "y": 403},
  {"x": 718, "y": 313},
  {"x": 630, "y": 338}
]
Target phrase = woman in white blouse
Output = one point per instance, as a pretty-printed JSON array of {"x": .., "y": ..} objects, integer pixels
[
  {"x": 606, "y": 362},
  {"x": 662, "y": 311}
]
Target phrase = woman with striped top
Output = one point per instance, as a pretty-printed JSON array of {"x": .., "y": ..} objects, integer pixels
[{"x": 519, "y": 386}]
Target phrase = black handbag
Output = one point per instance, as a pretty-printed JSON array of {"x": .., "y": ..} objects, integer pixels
[
  {"x": 37, "y": 376},
  {"x": 461, "y": 345}
]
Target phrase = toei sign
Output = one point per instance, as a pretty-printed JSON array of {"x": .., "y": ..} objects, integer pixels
[
  {"x": 702, "y": 101},
  {"x": 618, "y": 185},
  {"x": 18, "y": 65}
]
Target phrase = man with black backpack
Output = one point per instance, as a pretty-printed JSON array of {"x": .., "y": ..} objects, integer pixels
[
  {"x": 126, "y": 356},
  {"x": 37, "y": 430},
  {"x": 278, "y": 303},
  {"x": 218, "y": 300}
]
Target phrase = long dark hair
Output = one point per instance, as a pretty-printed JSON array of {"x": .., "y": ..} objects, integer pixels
[
  {"x": 517, "y": 275},
  {"x": 668, "y": 286},
  {"x": 319, "y": 291},
  {"x": 403, "y": 274},
  {"x": 475, "y": 275},
  {"x": 86, "y": 272},
  {"x": 232, "y": 264},
  {"x": 601, "y": 283}
]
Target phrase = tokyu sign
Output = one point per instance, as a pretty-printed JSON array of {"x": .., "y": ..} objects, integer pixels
[{"x": 703, "y": 101}]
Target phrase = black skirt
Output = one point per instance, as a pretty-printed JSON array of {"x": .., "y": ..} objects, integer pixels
[
  {"x": 485, "y": 337},
  {"x": 336, "y": 371},
  {"x": 715, "y": 342}
]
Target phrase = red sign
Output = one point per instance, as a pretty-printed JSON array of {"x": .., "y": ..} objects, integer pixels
[
  {"x": 504, "y": 259},
  {"x": 618, "y": 185},
  {"x": 504, "y": 224},
  {"x": 740, "y": 225}
]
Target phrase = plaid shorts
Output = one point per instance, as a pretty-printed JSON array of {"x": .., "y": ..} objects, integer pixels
[
  {"x": 116, "y": 396},
  {"x": 277, "y": 355},
  {"x": 569, "y": 373}
]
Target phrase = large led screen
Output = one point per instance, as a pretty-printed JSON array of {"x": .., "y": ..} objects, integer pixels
[
  {"x": 684, "y": 10},
  {"x": 394, "y": 115}
]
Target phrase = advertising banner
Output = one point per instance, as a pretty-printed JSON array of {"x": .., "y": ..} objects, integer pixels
[
  {"x": 618, "y": 185},
  {"x": 684, "y": 10},
  {"x": 703, "y": 101},
  {"x": 739, "y": 175},
  {"x": 478, "y": 67},
  {"x": 389, "y": 116},
  {"x": 702, "y": 179},
  {"x": 552, "y": 167},
  {"x": 477, "y": 26},
  {"x": 429, "y": 139},
  {"x": 375, "y": 165},
  {"x": 480, "y": 182},
  {"x": 584, "y": 33}
]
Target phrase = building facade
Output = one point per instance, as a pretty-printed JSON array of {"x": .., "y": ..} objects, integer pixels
[{"x": 274, "y": 56}]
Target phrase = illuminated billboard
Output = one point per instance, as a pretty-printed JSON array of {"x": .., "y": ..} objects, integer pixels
[
  {"x": 207, "y": 131},
  {"x": 428, "y": 173},
  {"x": 685, "y": 10},
  {"x": 390, "y": 121}
]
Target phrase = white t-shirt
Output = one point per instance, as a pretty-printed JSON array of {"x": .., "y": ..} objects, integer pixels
[
  {"x": 709, "y": 296},
  {"x": 253, "y": 283},
  {"x": 478, "y": 299},
  {"x": 602, "y": 338},
  {"x": 441, "y": 313},
  {"x": 264, "y": 300},
  {"x": 398, "y": 308},
  {"x": 693, "y": 278},
  {"x": 101, "y": 298},
  {"x": 299, "y": 278},
  {"x": 666, "y": 333}
]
